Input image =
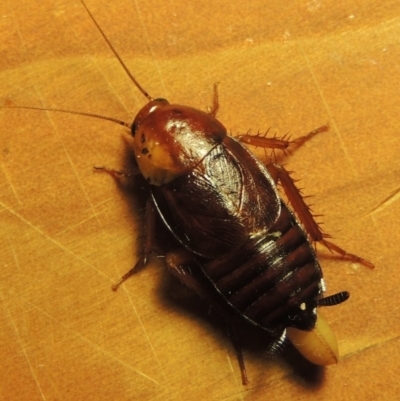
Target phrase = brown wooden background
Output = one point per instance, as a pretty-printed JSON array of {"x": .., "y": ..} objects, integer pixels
[{"x": 67, "y": 233}]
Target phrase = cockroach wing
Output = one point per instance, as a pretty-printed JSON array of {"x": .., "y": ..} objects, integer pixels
[{"x": 217, "y": 206}]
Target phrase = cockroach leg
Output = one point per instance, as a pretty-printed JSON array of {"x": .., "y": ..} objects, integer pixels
[
  {"x": 149, "y": 224},
  {"x": 346, "y": 255},
  {"x": 280, "y": 143},
  {"x": 281, "y": 175},
  {"x": 212, "y": 111},
  {"x": 302, "y": 139},
  {"x": 117, "y": 173},
  {"x": 183, "y": 266},
  {"x": 149, "y": 228},
  {"x": 233, "y": 334}
]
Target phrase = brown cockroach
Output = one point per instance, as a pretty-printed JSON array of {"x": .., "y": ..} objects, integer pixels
[{"x": 240, "y": 246}]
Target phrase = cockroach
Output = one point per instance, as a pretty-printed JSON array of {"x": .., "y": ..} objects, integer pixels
[{"x": 241, "y": 247}]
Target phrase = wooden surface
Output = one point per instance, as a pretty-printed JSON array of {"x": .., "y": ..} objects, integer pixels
[{"x": 68, "y": 233}]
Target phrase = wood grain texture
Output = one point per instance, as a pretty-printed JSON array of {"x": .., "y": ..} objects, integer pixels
[{"x": 68, "y": 233}]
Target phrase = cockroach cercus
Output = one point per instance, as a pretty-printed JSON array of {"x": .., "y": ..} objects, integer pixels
[{"x": 240, "y": 247}]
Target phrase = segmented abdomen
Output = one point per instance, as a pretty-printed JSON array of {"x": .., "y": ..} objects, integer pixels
[{"x": 273, "y": 278}]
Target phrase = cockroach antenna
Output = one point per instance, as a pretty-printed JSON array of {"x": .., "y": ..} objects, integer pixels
[{"x": 133, "y": 79}]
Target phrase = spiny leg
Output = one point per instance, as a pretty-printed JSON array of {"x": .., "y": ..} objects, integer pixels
[
  {"x": 182, "y": 265},
  {"x": 281, "y": 175},
  {"x": 276, "y": 143}
]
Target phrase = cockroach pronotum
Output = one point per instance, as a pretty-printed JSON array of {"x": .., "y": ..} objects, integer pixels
[{"x": 240, "y": 247}]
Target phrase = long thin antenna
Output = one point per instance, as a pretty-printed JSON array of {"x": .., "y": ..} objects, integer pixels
[
  {"x": 117, "y": 55},
  {"x": 79, "y": 113}
]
